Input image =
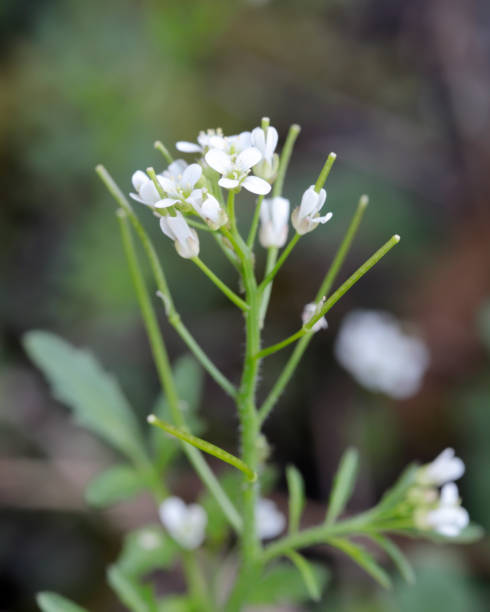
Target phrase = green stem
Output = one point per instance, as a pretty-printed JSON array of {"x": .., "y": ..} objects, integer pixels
[
  {"x": 162, "y": 285},
  {"x": 198, "y": 590},
  {"x": 231, "y": 295},
  {"x": 159, "y": 146},
  {"x": 266, "y": 293},
  {"x": 286, "y": 152},
  {"x": 322, "y": 178},
  {"x": 200, "y": 226},
  {"x": 255, "y": 223},
  {"x": 284, "y": 254},
  {"x": 164, "y": 370},
  {"x": 324, "y": 290},
  {"x": 334, "y": 298},
  {"x": 203, "y": 445}
]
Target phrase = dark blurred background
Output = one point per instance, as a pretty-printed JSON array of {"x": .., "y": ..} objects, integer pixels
[{"x": 400, "y": 91}]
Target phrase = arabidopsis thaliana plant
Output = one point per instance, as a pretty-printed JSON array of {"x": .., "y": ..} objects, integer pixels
[
  {"x": 309, "y": 311},
  {"x": 448, "y": 518},
  {"x": 185, "y": 239},
  {"x": 269, "y": 521},
  {"x": 305, "y": 217},
  {"x": 266, "y": 142},
  {"x": 211, "y": 139},
  {"x": 185, "y": 523},
  {"x": 445, "y": 468},
  {"x": 235, "y": 169},
  {"x": 146, "y": 192},
  {"x": 373, "y": 347},
  {"x": 274, "y": 216}
]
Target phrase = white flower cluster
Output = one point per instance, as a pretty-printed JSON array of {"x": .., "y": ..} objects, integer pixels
[
  {"x": 247, "y": 160},
  {"x": 380, "y": 355},
  {"x": 441, "y": 510},
  {"x": 186, "y": 524}
]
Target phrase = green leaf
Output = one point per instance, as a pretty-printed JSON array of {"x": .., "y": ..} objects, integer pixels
[
  {"x": 189, "y": 378},
  {"x": 397, "y": 493},
  {"x": 138, "y": 597},
  {"x": 396, "y": 555},
  {"x": 360, "y": 556},
  {"x": 175, "y": 603},
  {"x": 114, "y": 485},
  {"x": 307, "y": 573},
  {"x": 145, "y": 550},
  {"x": 78, "y": 380},
  {"x": 52, "y": 602},
  {"x": 343, "y": 484},
  {"x": 283, "y": 584},
  {"x": 296, "y": 497}
]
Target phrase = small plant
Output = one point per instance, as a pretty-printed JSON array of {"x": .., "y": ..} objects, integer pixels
[{"x": 186, "y": 200}]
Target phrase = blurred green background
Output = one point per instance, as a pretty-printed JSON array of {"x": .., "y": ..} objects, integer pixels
[{"x": 400, "y": 91}]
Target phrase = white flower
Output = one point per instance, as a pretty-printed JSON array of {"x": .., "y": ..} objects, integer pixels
[
  {"x": 274, "y": 214},
  {"x": 146, "y": 192},
  {"x": 309, "y": 311},
  {"x": 178, "y": 182},
  {"x": 185, "y": 239},
  {"x": 235, "y": 169},
  {"x": 211, "y": 139},
  {"x": 305, "y": 217},
  {"x": 446, "y": 467},
  {"x": 266, "y": 142},
  {"x": 372, "y": 346},
  {"x": 270, "y": 522},
  {"x": 448, "y": 518},
  {"x": 185, "y": 523},
  {"x": 208, "y": 207}
]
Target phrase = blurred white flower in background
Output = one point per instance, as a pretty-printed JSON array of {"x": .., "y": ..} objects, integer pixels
[
  {"x": 380, "y": 355},
  {"x": 274, "y": 216},
  {"x": 445, "y": 468},
  {"x": 305, "y": 217},
  {"x": 185, "y": 523},
  {"x": 309, "y": 311},
  {"x": 269, "y": 520}
]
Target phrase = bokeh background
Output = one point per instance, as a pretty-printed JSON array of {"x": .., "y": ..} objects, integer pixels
[{"x": 401, "y": 92}]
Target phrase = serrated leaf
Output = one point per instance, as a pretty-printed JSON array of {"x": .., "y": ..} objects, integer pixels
[
  {"x": 78, "y": 380},
  {"x": 283, "y": 584},
  {"x": 396, "y": 494},
  {"x": 189, "y": 378},
  {"x": 307, "y": 573},
  {"x": 145, "y": 550},
  {"x": 343, "y": 484},
  {"x": 365, "y": 560},
  {"x": 114, "y": 485},
  {"x": 52, "y": 602},
  {"x": 396, "y": 555},
  {"x": 296, "y": 497},
  {"x": 137, "y": 597}
]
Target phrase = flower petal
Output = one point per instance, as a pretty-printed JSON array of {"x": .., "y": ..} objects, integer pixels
[
  {"x": 191, "y": 175},
  {"x": 218, "y": 160},
  {"x": 228, "y": 183},
  {"x": 248, "y": 158},
  {"x": 254, "y": 184},
  {"x": 165, "y": 203},
  {"x": 188, "y": 147},
  {"x": 138, "y": 179}
]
